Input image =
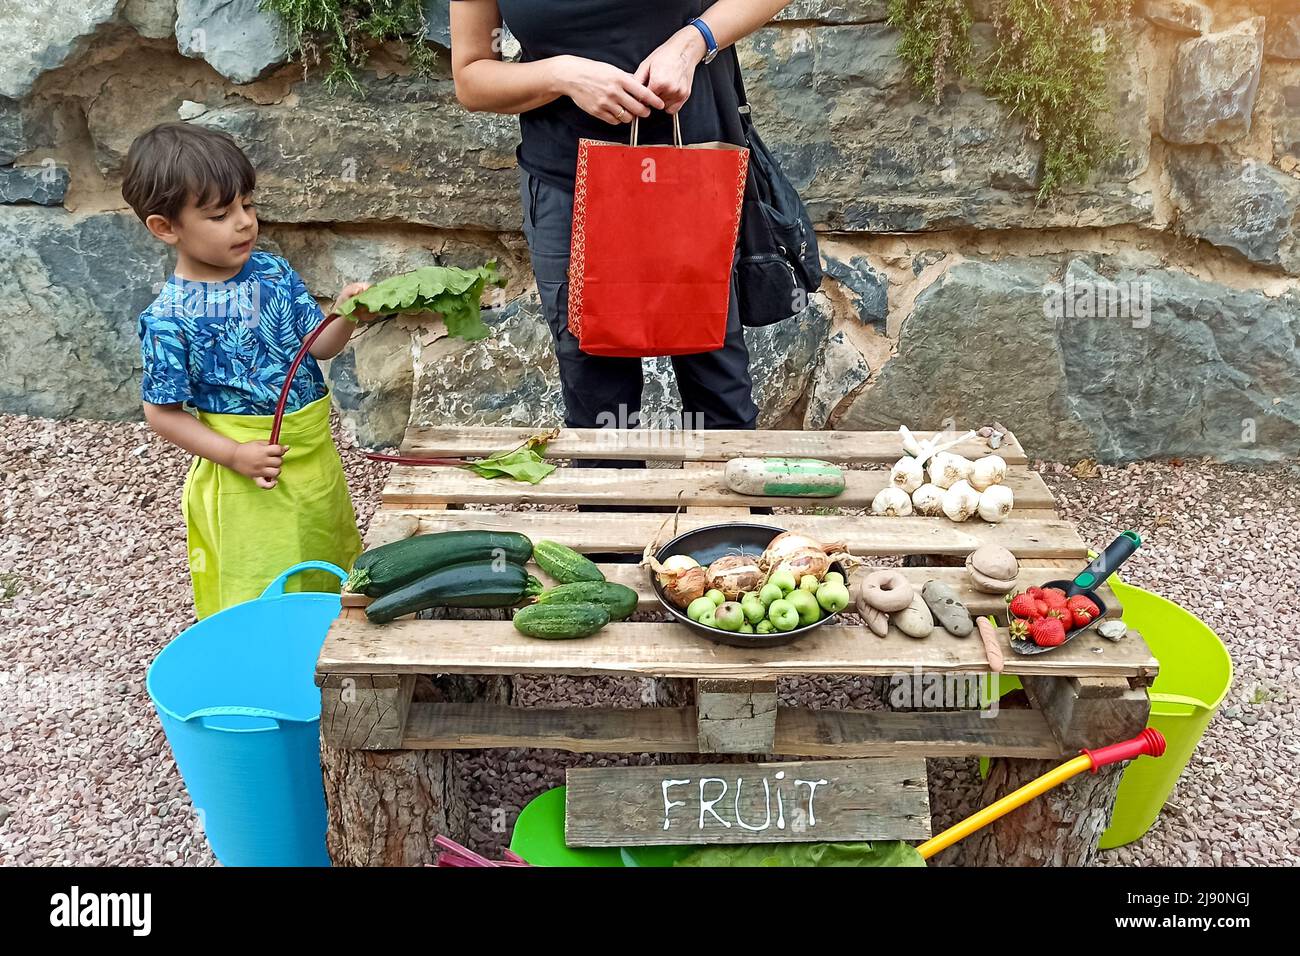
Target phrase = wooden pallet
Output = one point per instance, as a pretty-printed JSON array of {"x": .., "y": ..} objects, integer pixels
[{"x": 434, "y": 499}]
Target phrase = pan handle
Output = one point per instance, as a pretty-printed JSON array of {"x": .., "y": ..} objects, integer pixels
[{"x": 1106, "y": 563}]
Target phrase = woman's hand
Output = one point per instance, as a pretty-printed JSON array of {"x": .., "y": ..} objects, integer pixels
[
  {"x": 605, "y": 91},
  {"x": 669, "y": 71}
]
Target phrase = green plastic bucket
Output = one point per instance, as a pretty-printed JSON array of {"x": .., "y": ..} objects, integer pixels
[{"x": 1195, "y": 673}]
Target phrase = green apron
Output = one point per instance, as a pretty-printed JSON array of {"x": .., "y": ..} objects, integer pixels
[{"x": 241, "y": 536}]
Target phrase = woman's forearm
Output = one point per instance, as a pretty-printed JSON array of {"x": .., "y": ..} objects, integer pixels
[
  {"x": 495, "y": 86},
  {"x": 732, "y": 20}
]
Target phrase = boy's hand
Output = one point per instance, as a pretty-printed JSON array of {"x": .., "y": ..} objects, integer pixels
[
  {"x": 260, "y": 461},
  {"x": 351, "y": 290}
]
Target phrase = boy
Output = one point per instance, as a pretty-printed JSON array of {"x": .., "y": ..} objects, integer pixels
[{"x": 220, "y": 337}]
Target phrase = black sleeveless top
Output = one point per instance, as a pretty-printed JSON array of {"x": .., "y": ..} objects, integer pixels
[{"x": 623, "y": 33}]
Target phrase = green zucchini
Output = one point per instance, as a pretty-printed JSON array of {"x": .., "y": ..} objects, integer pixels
[
  {"x": 381, "y": 570},
  {"x": 618, "y": 599},
  {"x": 560, "y": 621},
  {"x": 472, "y": 584},
  {"x": 564, "y": 564}
]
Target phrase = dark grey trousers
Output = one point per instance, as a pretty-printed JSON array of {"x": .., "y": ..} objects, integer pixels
[{"x": 715, "y": 387}]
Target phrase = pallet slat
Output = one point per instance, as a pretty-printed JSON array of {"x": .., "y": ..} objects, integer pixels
[
  {"x": 1027, "y": 538},
  {"x": 799, "y": 732},
  {"x": 672, "y": 650},
  {"x": 882, "y": 447},
  {"x": 977, "y": 602},
  {"x": 412, "y": 486}
]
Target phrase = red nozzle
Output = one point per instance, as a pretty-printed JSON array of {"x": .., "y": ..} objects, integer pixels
[{"x": 1150, "y": 742}]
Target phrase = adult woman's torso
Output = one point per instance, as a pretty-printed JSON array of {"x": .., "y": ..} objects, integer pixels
[{"x": 619, "y": 32}]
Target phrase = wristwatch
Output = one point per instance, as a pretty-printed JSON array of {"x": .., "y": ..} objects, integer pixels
[{"x": 709, "y": 41}]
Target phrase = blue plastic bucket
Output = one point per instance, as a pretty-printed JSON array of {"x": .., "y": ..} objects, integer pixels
[{"x": 239, "y": 704}]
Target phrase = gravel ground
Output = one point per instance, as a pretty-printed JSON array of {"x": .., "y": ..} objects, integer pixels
[{"x": 93, "y": 585}]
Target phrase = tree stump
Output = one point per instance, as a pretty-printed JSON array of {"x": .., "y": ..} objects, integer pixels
[
  {"x": 384, "y": 807},
  {"x": 1060, "y": 828}
]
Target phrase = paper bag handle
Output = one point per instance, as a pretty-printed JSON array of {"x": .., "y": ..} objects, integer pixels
[{"x": 677, "y": 129}]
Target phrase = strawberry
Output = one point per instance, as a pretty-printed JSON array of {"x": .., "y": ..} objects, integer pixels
[
  {"x": 1050, "y": 595},
  {"x": 1018, "y": 628},
  {"x": 1047, "y": 632},
  {"x": 1023, "y": 606},
  {"x": 1042, "y": 608},
  {"x": 1034, "y": 593},
  {"x": 1082, "y": 610},
  {"x": 1063, "y": 615}
]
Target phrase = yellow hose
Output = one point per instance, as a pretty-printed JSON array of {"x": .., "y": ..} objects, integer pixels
[{"x": 1011, "y": 801}]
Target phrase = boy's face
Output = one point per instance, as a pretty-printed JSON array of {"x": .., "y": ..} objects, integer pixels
[{"x": 221, "y": 236}]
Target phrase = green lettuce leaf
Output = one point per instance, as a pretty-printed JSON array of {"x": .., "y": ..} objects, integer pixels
[
  {"x": 454, "y": 293},
  {"x": 522, "y": 464},
  {"x": 878, "y": 853}
]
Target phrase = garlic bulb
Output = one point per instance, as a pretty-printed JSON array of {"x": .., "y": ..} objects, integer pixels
[
  {"x": 996, "y": 503},
  {"x": 946, "y": 469},
  {"x": 961, "y": 501},
  {"x": 928, "y": 500},
  {"x": 910, "y": 444},
  {"x": 893, "y": 502},
  {"x": 907, "y": 474},
  {"x": 988, "y": 471}
]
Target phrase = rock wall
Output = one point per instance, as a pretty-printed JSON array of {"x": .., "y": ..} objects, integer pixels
[{"x": 1152, "y": 312}]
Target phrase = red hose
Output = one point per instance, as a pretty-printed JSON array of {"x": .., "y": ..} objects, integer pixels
[{"x": 307, "y": 343}]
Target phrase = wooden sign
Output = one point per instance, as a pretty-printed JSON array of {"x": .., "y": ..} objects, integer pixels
[{"x": 881, "y": 798}]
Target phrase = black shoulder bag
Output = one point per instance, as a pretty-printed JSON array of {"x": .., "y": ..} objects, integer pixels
[{"x": 779, "y": 264}]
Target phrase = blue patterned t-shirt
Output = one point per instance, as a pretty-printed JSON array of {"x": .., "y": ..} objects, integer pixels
[{"x": 227, "y": 346}]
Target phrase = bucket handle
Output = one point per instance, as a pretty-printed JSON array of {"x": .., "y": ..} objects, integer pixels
[
  {"x": 233, "y": 710},
  {"x": 1192, "y": 702},
  {"x": 276, "y": 587}
]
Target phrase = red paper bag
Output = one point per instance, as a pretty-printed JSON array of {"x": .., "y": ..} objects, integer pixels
[{"x": 654, "y": 234}]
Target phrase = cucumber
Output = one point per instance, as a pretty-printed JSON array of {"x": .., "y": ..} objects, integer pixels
[
  {"x": 564, "y": 564},
  {"x": 560, "y": 621},
  {"x": 471, "y": 584},
  {"x": 784, "y": 477},
  {"x": 388, "y": 567},
  {"x": 618, "y": 599}
]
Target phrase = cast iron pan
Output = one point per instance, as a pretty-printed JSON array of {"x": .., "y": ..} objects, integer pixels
[
  {"x": 1086, "y": 582},
  {"x": 708, "y": 544}
]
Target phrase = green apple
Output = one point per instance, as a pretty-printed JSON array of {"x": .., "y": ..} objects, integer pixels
[
  {"x": 764, "y": 627},
  {"x": 695, "y": 610},
  {"x": 754, "y": 608},
  {"x": 747, "y": 628},
  {"x": 806, "y": 606},
  {"x": 771, "y": 592},
  {"x": 716, "y": 596},
  {"x": 833, "y": 577},
  {"x": 783, "y": 615},
  {"x": 783, "y": 579},
  {"x": 809, "y": 583},
  {"x": 707, "y": 617},
  {"x": 729, "y": 616},
  {"x": 833, "y": 596}
]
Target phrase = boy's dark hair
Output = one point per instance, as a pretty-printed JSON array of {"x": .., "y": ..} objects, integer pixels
[{"x": 175, "y": 162}]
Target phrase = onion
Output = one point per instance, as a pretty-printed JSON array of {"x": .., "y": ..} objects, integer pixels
[
  {"x": 787, "y": 543},
  {"x": 812, "y": 561},
  {"x": 734, "y": 574},
  {"x": 682, "y": 579}
]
